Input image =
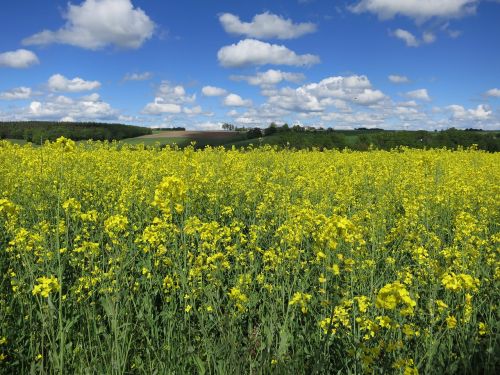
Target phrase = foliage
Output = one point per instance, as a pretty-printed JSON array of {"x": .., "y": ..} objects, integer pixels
[
  {"x": 39, "y": 131},
  {"x": 127, "y": 259},
  {"x": 227, "y": 126},
  {"x": 362, "y": 139},
  {"x": 254, "y": 133}
]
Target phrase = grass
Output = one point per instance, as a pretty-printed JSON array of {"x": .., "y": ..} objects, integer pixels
[{"x": 16, "y": 141}]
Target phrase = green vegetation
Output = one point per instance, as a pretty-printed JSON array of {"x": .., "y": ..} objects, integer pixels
[
  {"x": 363, "y": 139},
  {"x": 297, "y": 137},
  {"x": 131, "y": 260},
  {"x": 39, "y": 131}
]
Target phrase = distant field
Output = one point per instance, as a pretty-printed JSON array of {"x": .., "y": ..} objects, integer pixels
[
  {"x": 153, "y": 141},
  {"x": 130, "y": 260},
  {"x": 17, "y": 141},
  {"x": 360, "y": 140},
  {"x": 181, "y": 138},
  {"x": 192, "y": 134}
]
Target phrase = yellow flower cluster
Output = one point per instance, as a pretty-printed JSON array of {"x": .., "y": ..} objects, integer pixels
[
  {"x": 393, "y": 294},
  {"x": 45, "y": 286},
  {"x": 300, "y": 299},
  {"x": 255, "y": 260},
  {"x": 459, "y": 282}
]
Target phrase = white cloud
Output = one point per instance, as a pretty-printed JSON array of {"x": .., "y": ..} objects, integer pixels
[
  {"x": 265, "y": 26},
  {"x": 340, "y": 87},
  {"x": 94, "y": 97},
  {"x": 61, "y": 107},
  {"x": 428, "y": 37},
  {"x": 58, "y": 82},
  {"x": 481, "y": 113},
  {"x": 454, "y": 33},
  {"x": 138, "y": 76},
  {"x": 159, "y": 106},
  {"x": 193, "y": 110},
  {"x": 394, "y": 78},
  {"x": 208, "y": 125},
  {"x": 213, "y": 91},
  {"x": 20, "y": 58},
  {"x": 419, "y": 10},
  {"x": 174, "y": 94},
  {"x": 420, "y": 94},
  {"x": 493, "y": 92},
  {"x": 369, "y": 96},
  {"x": 407, "y": 37},
  {"x": 411, "y": 40},
  {"x": 169, "y": 99},
  {"x": 255, "y": 52},
  {"x": 95, "y": 24},
  {"x": 402, "y": 110},
  {"x": 270, "y": 77},
  {"x": 409, "y": 103},
  {"x": 331, "y": 91},
  {"x": 352, "y": 120},
  {"x": 18, "y": 93},
  {"x": 234, "y": 100},
  {"x": 298, "y": 100}
]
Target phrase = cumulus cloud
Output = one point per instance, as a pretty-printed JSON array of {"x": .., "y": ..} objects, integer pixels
[
  {"x": 61, "y": 107},
  {"x": 480, "y": 113},
  {"x": 255, "y": 52},
  {"x": 409, "y": 103},
  {"x": 159, "y": 106},
  {"x": 213, "y": 91},
  {"x": 419, "y": 10},
  {"x": 197, "y": 110},
  {"x": 138, "y": 76},
  {"x": 411, "y": 40},
  {"x": 95, "y": 24},
  {"x": 296, "y": 100},
  {"x": 407, "y": 37},
  {"x": 58, "y": 82},
  {"x": 169, "y": 99},
  {"x": 234, "y": 100},
  {"x": 265, "y": 26},
  {"x": 270, "y": 77},
  {"x": 394, "y": 78},
  {"x": 352, "y": 120},
  {"x": 174, "y": 93},
  {"x": 18, "y": 59},
  {"x": 493, "y": 93},
  {"x": 17, "y": 93},
  {"x": 369, "y": 96},
  {"x": 207, "y": 125},
  {"x": 332, "y": 91},
  {"x": 428, "y": 37},
  {"x": 420, "y": 94}
]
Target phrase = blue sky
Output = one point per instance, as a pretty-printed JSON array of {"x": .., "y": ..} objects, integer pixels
[{"x": 414, "y": 64}]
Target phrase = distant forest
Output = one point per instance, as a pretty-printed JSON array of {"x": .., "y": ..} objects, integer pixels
[
  {"x": 39, "y": 131},
  {"x": 362, "y": 139},
  {"x": 284, "y": 136}
]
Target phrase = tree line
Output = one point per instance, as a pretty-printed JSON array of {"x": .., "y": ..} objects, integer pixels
[
  {"x": 39, "y": 131},
  {"x": 362, "y": 138}
]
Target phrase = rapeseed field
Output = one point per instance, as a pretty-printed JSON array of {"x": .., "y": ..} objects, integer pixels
[{"x": 131, "y": 260}]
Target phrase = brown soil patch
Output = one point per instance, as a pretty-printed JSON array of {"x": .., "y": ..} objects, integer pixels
[{"x": 193, "y": 134}]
